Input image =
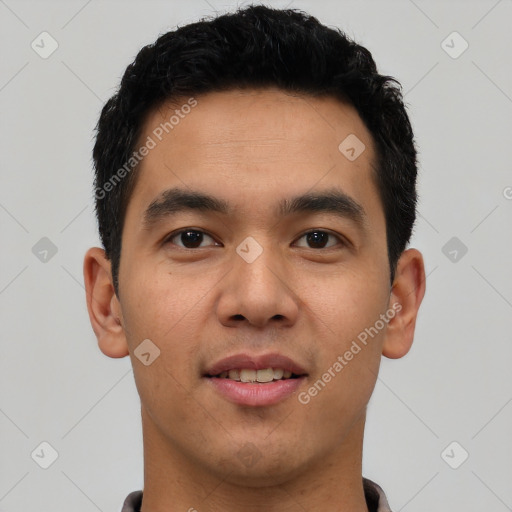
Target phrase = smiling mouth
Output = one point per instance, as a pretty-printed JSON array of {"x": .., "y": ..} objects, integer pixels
[{"x": 249, "y": 375}]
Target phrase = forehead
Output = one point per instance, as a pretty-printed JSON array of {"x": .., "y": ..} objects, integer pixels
[
  {"x": 238, "y": 121},
  {"x": 244, "y": 144}
]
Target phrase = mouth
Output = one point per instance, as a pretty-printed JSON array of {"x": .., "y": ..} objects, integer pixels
[
  {"x": 255, "y": 380},
  {"x": 260, "y": 376}
]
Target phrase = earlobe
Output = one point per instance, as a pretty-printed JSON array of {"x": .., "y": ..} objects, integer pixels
[
  {"x": 103, "y": 304},
  {"x": 408, "y": 291}
]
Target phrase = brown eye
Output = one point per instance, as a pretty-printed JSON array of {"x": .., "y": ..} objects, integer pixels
[
  {"x": 189, "y": 238},
  {"x": 318, "y": 239}
]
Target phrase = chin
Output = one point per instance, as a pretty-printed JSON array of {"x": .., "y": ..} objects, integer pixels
[
  {"x": 258, "y": 466},
  {"x": 264, "y": 474}
]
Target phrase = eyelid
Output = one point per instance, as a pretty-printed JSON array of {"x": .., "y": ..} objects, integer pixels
[
  {"x": 341, "y": 239},
  {"x": 338, "y": 236},
  {"x": 172, "y": 235}
]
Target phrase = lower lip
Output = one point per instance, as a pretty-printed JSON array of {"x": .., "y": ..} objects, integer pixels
[{"x": 256, "y": 394}]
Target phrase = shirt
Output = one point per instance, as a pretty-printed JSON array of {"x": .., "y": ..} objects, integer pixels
[{"x": 374, "y": 495}]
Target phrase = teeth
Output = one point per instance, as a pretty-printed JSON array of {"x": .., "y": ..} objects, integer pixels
[
  {"x": 250, "y": 375},
  {"x": 278, "y": 373},
  {"x": 266, "y": 375},
  {"x": 234, "y": 374}
]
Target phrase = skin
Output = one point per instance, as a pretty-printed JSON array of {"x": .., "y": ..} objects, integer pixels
[{"x": 253, "y": 148}]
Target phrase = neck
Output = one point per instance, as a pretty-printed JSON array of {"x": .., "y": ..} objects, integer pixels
[{"x": 172, "y": 482}]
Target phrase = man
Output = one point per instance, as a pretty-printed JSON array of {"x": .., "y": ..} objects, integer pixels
[{"x": 255, "y": 191}]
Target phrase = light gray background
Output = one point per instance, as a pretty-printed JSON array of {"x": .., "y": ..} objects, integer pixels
[{"x": 454, "y": 385}]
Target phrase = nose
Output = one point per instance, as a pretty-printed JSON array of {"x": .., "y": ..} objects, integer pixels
[{"x": 258, "y": 293}]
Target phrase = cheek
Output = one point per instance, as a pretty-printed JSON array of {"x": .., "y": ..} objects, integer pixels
[
  {"x": 348, "y": 357},
  {"x": 164, "y": 309},
  {"x": 159, "y": 304},
  {"x": 339, "y": 403},
  {"x": 344, "y": 304},
  {"x": 348, "y": 336}
]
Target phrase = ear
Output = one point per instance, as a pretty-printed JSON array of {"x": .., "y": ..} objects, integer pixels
[
  {"x": 406, "y": 295},
  {"x": 103, "y": 305}
]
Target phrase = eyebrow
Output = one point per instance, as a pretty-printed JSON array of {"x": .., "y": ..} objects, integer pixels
[{"x": 330, "y": 201}]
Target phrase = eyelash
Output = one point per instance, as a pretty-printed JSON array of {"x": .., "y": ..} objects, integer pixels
[{"x": 173, "y": 235}]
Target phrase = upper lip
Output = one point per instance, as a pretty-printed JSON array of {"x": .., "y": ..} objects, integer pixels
[{"x": 255, "y": 362}]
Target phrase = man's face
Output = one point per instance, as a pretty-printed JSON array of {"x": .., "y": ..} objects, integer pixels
[{"x": 259, "y": 279}]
